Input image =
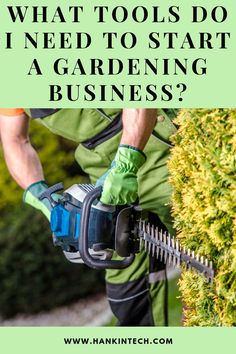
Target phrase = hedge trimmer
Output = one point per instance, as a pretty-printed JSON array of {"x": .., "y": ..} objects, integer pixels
[{"x": 88, "y": 231}]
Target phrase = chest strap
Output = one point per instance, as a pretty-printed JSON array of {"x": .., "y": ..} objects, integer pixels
[{"x": 111, "y": 130}]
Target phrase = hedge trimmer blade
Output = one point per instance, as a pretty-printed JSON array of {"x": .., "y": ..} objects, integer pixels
[{"x": 163, "y": 246}]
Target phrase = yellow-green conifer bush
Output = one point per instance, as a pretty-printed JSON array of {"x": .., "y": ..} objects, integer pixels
[{"x": 203, "y": 174}]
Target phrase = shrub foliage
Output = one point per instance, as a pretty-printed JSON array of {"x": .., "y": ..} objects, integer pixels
[{"x": 203, "y": 174}]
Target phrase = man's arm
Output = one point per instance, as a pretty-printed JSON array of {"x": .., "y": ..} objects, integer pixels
[
  {"x": 138, "y": 125},
  {"x": 120, "y": 182},
  {"x": 23, "y": 162},
  {"x": 21, "y": 158}
]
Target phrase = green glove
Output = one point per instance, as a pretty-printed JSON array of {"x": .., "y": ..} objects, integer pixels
[
  {"x": 120, "y": 185},
  {"x": 31, "y": 196}
]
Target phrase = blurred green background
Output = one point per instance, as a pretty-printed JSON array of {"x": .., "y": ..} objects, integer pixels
[{"x": 34, "y": 275}]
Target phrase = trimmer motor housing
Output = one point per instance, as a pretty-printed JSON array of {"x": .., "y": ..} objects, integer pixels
[
  {"x": 66, "y": 219},
  {"x": 87, "y": 230}
]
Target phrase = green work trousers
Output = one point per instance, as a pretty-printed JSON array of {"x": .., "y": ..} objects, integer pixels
[{"x": 138, "y": 294}]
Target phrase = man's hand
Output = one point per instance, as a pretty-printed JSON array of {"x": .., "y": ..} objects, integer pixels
[
  {"x": 32, "y": 194},
  {"x": 119, "y": 183}
]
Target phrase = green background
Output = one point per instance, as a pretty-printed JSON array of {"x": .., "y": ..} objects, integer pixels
[
  {"x": 185, "y": 340},
  {"x": 216, "y": 89}
]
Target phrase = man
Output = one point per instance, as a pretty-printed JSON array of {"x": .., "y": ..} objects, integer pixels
[{"x": 132, "y": 168}]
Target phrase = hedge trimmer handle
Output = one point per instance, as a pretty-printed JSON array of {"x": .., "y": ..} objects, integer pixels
[
  {"x": 48, "y": 193},
  {"x": 84, "y": 238}
]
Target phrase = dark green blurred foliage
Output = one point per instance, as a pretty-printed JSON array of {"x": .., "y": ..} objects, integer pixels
[{"x": 34, "y": 275}]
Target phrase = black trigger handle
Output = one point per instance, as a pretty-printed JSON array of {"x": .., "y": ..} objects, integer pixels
[{"x": 48, "y": 193}]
